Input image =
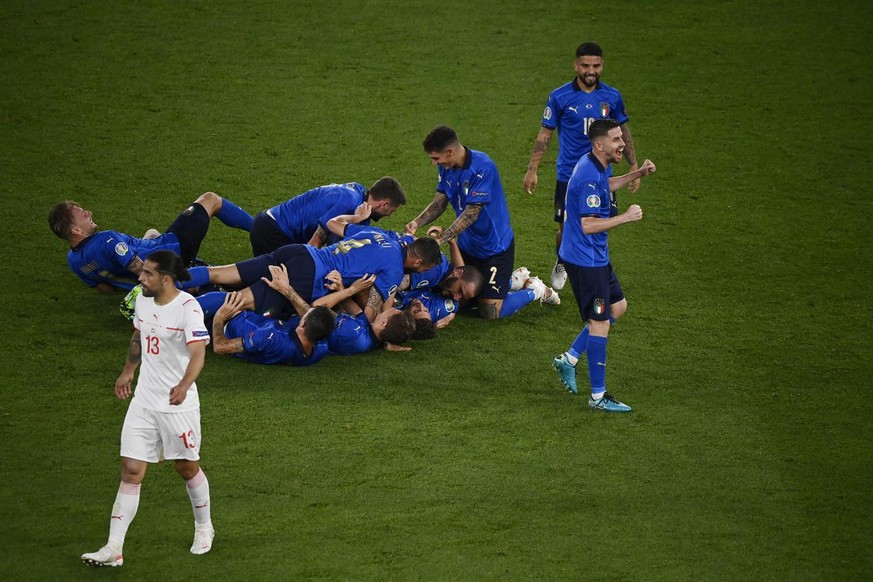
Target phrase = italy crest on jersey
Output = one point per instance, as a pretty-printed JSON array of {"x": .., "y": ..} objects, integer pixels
[{"x": 604, "y": 110}]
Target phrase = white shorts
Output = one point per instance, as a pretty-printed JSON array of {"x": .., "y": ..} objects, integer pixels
[{"x": 153, "y": 436}]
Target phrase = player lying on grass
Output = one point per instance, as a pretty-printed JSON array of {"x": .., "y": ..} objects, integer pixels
[
  {"x": 367, "y": 251},
  {"x": 108, "y": 259}
]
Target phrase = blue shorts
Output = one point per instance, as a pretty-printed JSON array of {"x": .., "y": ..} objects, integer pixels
[
  {"x": 560, "y": 200},
  {"x": 266, "y": 236},
  {"x": 301, "y": 275},
  {"x": 190, "y": 228},
  {"x": 497, "y": 270},
  {"x": 595, "y": 288}
]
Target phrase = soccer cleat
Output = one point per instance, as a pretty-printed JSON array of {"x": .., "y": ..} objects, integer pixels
[
  {"x": 566, "y": 372},
  {"x": 203, "y": 536},
  {"x": 542, "y": 292},
  {"x": 106, "y": 556},
  {"x": 559, "y": 275},
  {"x": 519, "y": 278},
  {"x": 127, "y": 305},
  {"x": 608, "y": 403}
]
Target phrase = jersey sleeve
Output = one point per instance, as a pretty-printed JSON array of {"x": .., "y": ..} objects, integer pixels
[
  {"x": 620, "y": 111},
  {"x": 481, "y": 185},
  {"x": 195, "y": 328},
  {"x": 550, "y": 113},
  {"x": 344, "y": 205},
  {"x": 586, "y": 199},
  {"x": 115, "y": 251}
]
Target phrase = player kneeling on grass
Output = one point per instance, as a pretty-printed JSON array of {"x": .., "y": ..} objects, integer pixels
[{"x": 163, "y": 419}]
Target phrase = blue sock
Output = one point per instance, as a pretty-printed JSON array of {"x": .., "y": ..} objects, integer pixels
[
  {"x": 515, "y": 300},
  {"x": 597, "y": 363},
  {"x": 199, "y": 278},
  {"x": 580, "y": 344},
  {"x": 232, "y": 215},
  {"x": 211, "y": 302}
]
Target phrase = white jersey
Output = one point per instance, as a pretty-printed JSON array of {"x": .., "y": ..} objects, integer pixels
[{"x": 165, "y": 332}]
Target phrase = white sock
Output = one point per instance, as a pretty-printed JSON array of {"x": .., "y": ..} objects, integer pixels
[
  {"x": 198, "y": 492},
  {"x": 571, "y": 359},
  {"x": 123, "y": 512}
]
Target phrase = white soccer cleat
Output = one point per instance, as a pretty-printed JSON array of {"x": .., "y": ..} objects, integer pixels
[
  {"x": 545, "y": 294},
  {"x": 108, "y": 555},
  {"x": 203, "y": 536},
  {"x": 519, "y": 278},
  {"x": 536, "y": 285},
  {"x": 559, "y": 275}
]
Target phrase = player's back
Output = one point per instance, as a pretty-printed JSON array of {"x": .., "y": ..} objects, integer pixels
[
  {"x": 299, "y": 217},
  {"x": 365, "y": 251}
]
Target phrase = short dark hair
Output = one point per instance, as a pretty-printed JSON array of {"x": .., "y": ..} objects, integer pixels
[
  {"x": 320, "y": 322},
  {"x": 589, "y": 49},
  {"x": 399, "y": 328},
  {"x": 427, "y": 249},
  {"x": 440, "y": 138},
  {"x": 61, "y": 218},
  {"x": 471, "y": 274},
  {"x": 600, "y": 127},
  {"x": 424, "y": 329},
  {"x": 169, "y": 263},
  {"x": 390, "y": 188}
]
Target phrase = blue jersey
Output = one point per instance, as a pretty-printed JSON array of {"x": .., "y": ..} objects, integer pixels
[
  {"x": 271, "y": 341},
  {"x": 437, "y": 305},
  {"x": 299, "y": 217},
  {"x": 587, "y": 195},
  {"x": 478, "y": 182},
  {"x": 351, "y": 335},
  {"x": 433, "y": 276},
  {"x": 105, "y": 256},
  {"x": 571, "y": 110},
  {"x": 365, "y": 250}
]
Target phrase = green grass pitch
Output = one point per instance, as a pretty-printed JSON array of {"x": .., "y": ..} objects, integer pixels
[{"x": 746, "y": 352}]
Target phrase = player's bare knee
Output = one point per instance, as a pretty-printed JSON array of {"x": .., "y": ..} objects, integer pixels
[
  {"x": 187, "y": 469},
  {"x": 210, "y": 201},
  {"x": 618, "y": 308},
  {"x": 133, "y": 471}
]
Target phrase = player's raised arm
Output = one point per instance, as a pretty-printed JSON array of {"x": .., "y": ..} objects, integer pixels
[{"x": 618, "y": 182}]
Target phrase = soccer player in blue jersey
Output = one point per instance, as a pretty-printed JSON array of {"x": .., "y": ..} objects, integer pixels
[
  {"x": 468, "y": 180},
  {"x": 367, "y": 250},
  {"x": 298, "y": 341},
  {"x": 108, "y": 259},
  {"x": 571, "y": 108},
  {"x": 585, "y": 254},
  {"x": 303, "y": 219}
]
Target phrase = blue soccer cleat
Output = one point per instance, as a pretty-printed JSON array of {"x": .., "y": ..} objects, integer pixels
[
  {"x": 566, "y": 372},
  {"x": 608, "y": 403}
]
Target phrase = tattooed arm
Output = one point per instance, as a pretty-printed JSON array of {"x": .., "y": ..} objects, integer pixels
[
  {"x": 429, "y": 214},
  {"x": 630, "y": 154},
  {"x": 539, "y": 149},
  {"x": 134, "y": 356},
  {"x": 461, "y": 223},
  {"x": 231, "y": 308}
]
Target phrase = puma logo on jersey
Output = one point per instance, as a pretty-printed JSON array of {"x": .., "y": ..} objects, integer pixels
[{"x": 574, "y": 109}]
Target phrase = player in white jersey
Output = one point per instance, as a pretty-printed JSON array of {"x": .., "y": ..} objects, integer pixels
[{"x": 163, "y": 419}]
